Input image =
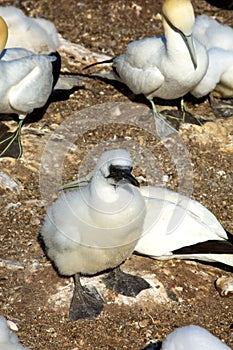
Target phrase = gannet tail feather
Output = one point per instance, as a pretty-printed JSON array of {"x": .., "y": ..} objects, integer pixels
[
  {"x": 230, "y": 237},
  {"x": 207, "y": 247}
]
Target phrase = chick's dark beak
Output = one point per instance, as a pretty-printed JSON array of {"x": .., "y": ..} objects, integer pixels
[
  {"x": 122, "y": 175},
  {"x": 127, "y": 177}
]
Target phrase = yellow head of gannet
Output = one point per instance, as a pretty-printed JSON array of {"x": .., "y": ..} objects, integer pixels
[
  {"x": 3, "y": 34},
  {"x": 179, "y": 16}
]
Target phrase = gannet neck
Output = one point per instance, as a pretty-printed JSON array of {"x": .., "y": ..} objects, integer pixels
[
  {"x": 101, "y": 190},
  {"x": 179, "y": 14},
  {"x": 110, "y": 188},
  {"x": 178, "y": 17},
  {"x": 3, "y": 34}
]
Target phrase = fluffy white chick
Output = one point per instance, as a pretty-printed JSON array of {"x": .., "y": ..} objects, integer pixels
[{"x": 93, "y": 229}]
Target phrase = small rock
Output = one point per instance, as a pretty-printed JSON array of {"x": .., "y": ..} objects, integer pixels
[
  {"x": 144, "y": 323},
  {"x": 12, "y": 326},
  {"x": 224, "y": 285},
  {"x": 35, "y": 221},
  {"x": 12, "y": 265},
  {"x": 7, "y": 182}
]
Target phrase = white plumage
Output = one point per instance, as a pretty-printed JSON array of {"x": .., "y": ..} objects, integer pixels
[
  {"x": 96, "y": 228},
  {"x": 176, "y": 226},
  {"x": 167, "y": 66},
  {"x": 161, "y": 66},
  {"x": 212, "y": 33},
  {"x": 191, "y": 338},
  {"x": 27, "y": 81},
  {"x": 28, "y": 77},
  {"x": 218, "y": 39},
  {"x": 8, "y": 339},
  {"x": 174, "y": 221},
  {"x": 35, "y": 34}
]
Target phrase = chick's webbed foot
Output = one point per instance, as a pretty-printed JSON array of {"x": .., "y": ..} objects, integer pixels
[
  {"x": 124, "y": 283},
  {"x": 86, "y": 303}
]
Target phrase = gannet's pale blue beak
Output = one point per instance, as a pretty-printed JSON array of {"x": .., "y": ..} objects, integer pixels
[{"x": 188, "y": 39}]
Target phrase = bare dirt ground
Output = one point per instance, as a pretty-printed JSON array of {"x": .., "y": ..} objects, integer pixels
[{"x": 183, "y": 292}]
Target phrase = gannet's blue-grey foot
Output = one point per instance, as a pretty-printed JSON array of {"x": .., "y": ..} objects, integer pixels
[
  {"x": 162, "y": 126},
  {"x": 183, "y": 108},
  {"x": 85, "y": 304},
  {"x": 168, "y": 121},
  {"x": 11, "y": 139},
  {"x": 124, "y": 283}
]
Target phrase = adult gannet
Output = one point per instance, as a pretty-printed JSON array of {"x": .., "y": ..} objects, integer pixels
[
  {"x": 190, "y": 337},
  {"x": 167, "y": 66},
  {"x": 218, "y": 39},
  {"x": 177, "y": 227},
  {"x": 96, "y": 228},
  {"x": 35, "y": 34},
  {"x": 27, "y": 80}
]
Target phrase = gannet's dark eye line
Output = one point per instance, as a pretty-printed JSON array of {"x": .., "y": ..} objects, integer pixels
[{"x": 184, "y": 37}]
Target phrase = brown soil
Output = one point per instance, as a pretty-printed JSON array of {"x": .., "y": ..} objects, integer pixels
[{"x": 32, "y": 294}]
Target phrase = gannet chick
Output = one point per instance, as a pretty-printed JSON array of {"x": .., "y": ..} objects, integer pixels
[
  {"x": 189, "y": 337},
  {"x": 211, "y": 33},
  {"x": 35, "y": 34},
  {"x": 167, "y": 66},
  {"x": 177, "y": 227},
  {"x": 218, "y": 39},
  {"x": 8, "y": 339},
  {"x": 93, "y": 229},
  {"x": 27, "y": 80}
]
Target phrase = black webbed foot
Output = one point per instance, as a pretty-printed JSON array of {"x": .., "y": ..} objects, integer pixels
[
  {"x": 124, "y": 283},
  {"x": 86, "y": 303}
]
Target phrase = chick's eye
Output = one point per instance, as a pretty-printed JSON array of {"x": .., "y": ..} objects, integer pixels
[{"x": 112, "y": 169}]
